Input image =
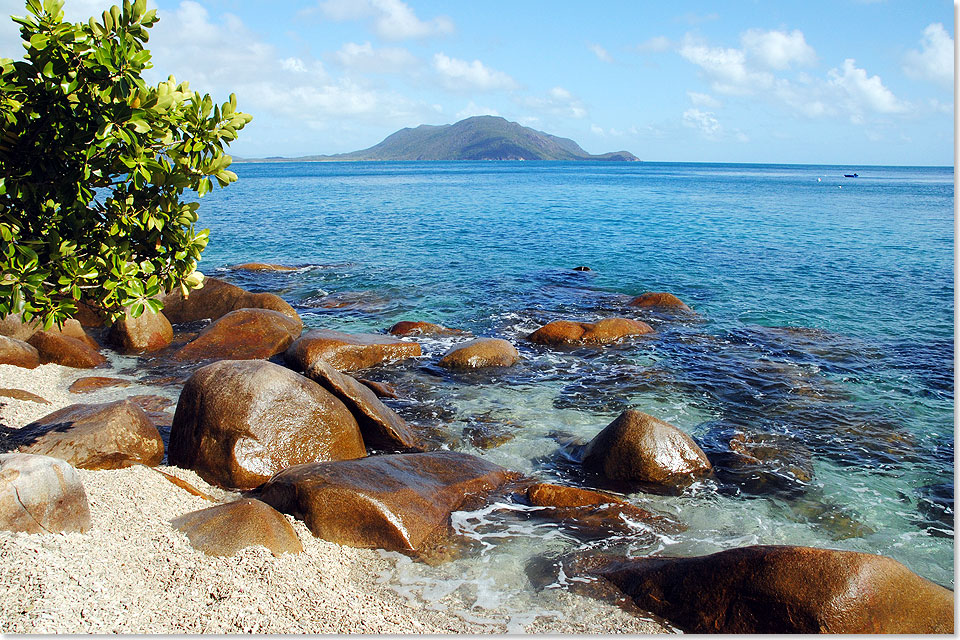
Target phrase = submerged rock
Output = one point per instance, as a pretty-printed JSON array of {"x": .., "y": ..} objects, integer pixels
[
  {"x": 244, "y": 334},
  {"x": 347, "y": 351},
  {"x": 764, "y": 463},
  {"x": 89, "y": 384},
  {"x": 65, "y": 350},
  {"x": 566, "y": 332},
  {"x": 781, "y": 589},
  {"x": 113, "y": 435},
  {"x": 225, "y": 529},
  {"x": 398, "y": 502},
  {"x": 260, "y": 266},
  {"x": 592, "y": 513},
  {"x": 218, "y": 298},
  {"x": 380, "y": 426},
  {"x": 660, "y": 301},
  {"x": 18, "y": 353},
  {"x": 240, "y": 421},
  {"x": 40, "y": 494},
  {"x": 150, "y": 332},
  {"x": 480, "y": 353},
  {"x": 410, "y": 328},
  {"x": 638, "y": 448}
]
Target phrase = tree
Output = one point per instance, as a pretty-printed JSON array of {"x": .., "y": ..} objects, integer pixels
[{"x": 94, "y": 165}]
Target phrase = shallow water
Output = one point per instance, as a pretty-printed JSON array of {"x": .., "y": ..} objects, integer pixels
[{"x": 860, "y": 269}]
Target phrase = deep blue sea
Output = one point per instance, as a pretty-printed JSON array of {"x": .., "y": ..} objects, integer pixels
[{"x": 824, "y": 315}]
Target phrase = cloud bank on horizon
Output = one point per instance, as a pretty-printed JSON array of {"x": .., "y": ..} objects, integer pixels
[{"x": 812, "y": 82}]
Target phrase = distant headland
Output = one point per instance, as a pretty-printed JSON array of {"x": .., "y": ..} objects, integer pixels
[{"x": 476, "y": 138}]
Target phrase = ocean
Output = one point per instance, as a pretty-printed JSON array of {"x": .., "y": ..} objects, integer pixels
[{"x": 824, "y": 318}]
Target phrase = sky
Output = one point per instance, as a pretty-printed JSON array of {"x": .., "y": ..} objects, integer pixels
[{"x": 852, "y": 82}]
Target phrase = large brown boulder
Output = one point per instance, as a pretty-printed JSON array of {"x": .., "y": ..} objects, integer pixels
[
  {"x": 480, "y": 353},
  {"x": 399, "y": 502},
  {"x": 218, "y": 298},
  {"x": 420, "y": 328},
  {"x": 65, "y": 350},
  {"x": 592, "y": 512},
  {"x": 660, "y": 301},
  {"x": 225, "y": 529},
  {"x": 347, "y": 351},
  {"x": 782, "y": 589},
  {"x": 240, "y": 421},
  {"x": 381, "y": 427},
  {"x": 18, "y": 353},
  {"x": 150, "y": 332},
  {"x": 39, "y": 494},
  {"x": 13, "y": 326},
  {"x": 244, "y": 334},
  {"x": 94, "y": 436},
  {"x": 566, "y": 332},
  {"x": 638, "y": 448}
]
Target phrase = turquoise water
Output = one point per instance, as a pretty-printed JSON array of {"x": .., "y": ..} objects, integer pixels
[{"x": 861, "y": 269}]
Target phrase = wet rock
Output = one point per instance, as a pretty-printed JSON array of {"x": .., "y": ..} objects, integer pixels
[
  {"x": 94, "y": 436},
  {"x": 20, "y": 394},
  {"x": 151, "y": 402},
  {"x": 410, "y": 328},
  {"x": 782, "y": 589},
  {"x": 381, "y": 427},
  {"x": 225, "y": 529},
  {"x": 660, "y": 301},
  {"x": 582, "y": 269},
  {"x": 40, "y": 494},
  {"x": 763, "y": 463},
  {"x": 566, "y": 332},
  {"x": 18, "y": 353},
  {"x": 260, "y": 266},
  {"x": 936, "y": 504},
  {"x": 398, "y": 502},
  {"x": 218, "y": 298},
  {"x": 480, "y": 353},
  {"x": 150, "y": 332},
  {"x": 89, "y": 384},
  {"x": 485, "y": 432},
  {"x": 382, "y": 389},
  {"x": 244, "y": 334},
  {"x": 593, "y": 514},
  {"x": 347, "y": 351},
  {"x": 64, "y": 350},
  {"x": 240, "y": 421},
  {"x": 638, "y": 448}
]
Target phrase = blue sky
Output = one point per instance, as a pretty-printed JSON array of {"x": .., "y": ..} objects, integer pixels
[{"x": 841, "y": 82}]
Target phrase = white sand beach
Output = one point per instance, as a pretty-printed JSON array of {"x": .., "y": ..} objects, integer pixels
[{"x": 133, "y": 573}]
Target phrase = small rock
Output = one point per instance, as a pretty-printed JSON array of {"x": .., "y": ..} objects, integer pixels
[
  {"x": 347, "y": 351},
  {"x": 781, "y": 589},
  {"x": 565, "y": 332},
  {"x": 18, "y": 353},
  {"x": 582, "y": 268},
  {"x": 150, "y": 332},
  {"x": 40, "y": 494},
  {"x": 151, "y": 402},
  {"x": 64, "y": 350},
  {"x": 20, "y": 394},
  {"x": 244, "y": 334},
  {"x": 591, "y": 512},
  {"x": 659, "y": 300},
  {"x": 638, "y": 448},
  {"x": 225, "y": 529},
  {"x": 89, "y": 384},
  {"x": 480, "y": 353},
  {"x": 410, "y": 328},
  {"x": 399, "y": 502},
  {"x": 238, "y": 422},
  {"x": 94, "y": 436},
  {"x": 382, "y": 389},
  {"x": 218, "y": 298}
]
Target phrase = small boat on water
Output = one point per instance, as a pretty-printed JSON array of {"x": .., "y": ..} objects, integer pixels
[{"x": 851, "y": 175}]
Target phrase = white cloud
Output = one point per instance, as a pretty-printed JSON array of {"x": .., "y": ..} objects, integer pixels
[
  {"x": 602, "y": 54},
  {"x": 778, "y": 49},
  {"x": 473, "y": 109},
  {"x": 703, "y": 100},
  {"x": 726, "y": 68},
  {"x": 460, "y": 75},
  {"x": 934, "y": 60},
  {"x": 597, "y": 130},
  {"x": 364, "y": 58},
  {"x": 861, "y": 92},
  {"x": 557, "y": 102},
  {"x": 704, "y": 121},
  {"x": 391, "y": 19},
  {"x": 295, "y": 65},
  {"x": 657, "y": 44}
]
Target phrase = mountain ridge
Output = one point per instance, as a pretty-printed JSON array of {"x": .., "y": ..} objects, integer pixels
[{"x": 475, "y": 138}]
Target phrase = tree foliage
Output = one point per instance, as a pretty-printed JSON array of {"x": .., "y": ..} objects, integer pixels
[{"x": 94, "y": 166}]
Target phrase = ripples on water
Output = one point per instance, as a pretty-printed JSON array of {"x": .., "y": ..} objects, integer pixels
[{"x": 824, "y": 327}]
